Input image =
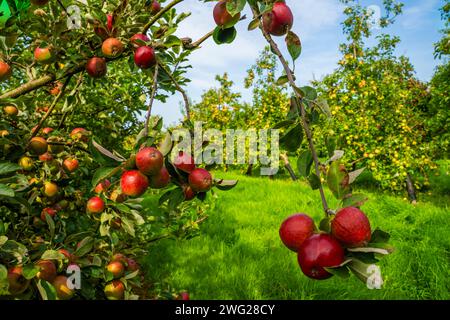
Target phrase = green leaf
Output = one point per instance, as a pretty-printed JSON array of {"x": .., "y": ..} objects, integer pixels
[
  {"x": 304, "y": 163},
  {"x": 314, "y": 181},
  {"x": 383, "y": 249},
  {"x": 29, "y": 271},
  {"x": 294, "y": 45},
  {"x": 309, "y": 93},
  {"x": 52, "y": 255},
  {"x": 235, "y": 6},
  {"x": 222, "y": 36},
  {"x": 8, "y": 167},
  {"x": 323, "y": 106},
  {"x": 282, "y": 80},
  {"x": 4, "y": 283},
  {"x": 368, "y": 273},
  {"x": 354, "y": 200},
  {"x": 6, "y": 191},
  {"x": 253, "y": 24},
  {"x": 379, "y": 236},
  {"x": 166, "y": 144},
  {"x": 85, "y": 246},
  {"x": 225, "y": 184},
  {"x": 101, "y": 174},
  {"x": 51, "y": 224},
  {"x": 283, "y": 124},
  {"x": 325, "y": 225},
  {"x": 354, "y": 175},
  {"x": 292, "y": 139},
  {"x": 46, "y": 290},
  {"x": 337, "y": 180}
]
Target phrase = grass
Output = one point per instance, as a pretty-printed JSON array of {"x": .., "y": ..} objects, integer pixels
[{"x": 239, "y": 254}]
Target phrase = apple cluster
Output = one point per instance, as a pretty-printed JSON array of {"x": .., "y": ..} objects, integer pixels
[{"x": 350, "y": 228}]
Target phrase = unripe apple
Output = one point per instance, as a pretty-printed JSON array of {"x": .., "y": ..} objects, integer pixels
[
  {"x": 80, "y": 134},
  {"x": 96, "y": 67},
  {"x": 5, "y": 71},
  {"x": 222, "y": 17},
  {"x": 155, "y": 7},
  {"x": 200, "y": 180},
  {"x": 46, "y": 157},
  {"x": 184, "y": 162},
  {"x": 62, "y": 289},
  {"x": 145, "y": 57},
  {"x": 95, "y": 205},
  {"x": 47, "y": 130},
  {"x": 141, "y": 37},
  {"x": 112, "y": 47},
  {"x": 102, "y": 186},
  {"x": 50, "y": 211},
  {"x": 11, "y": 110},
  {"x": 17, "y": 282},
  {"x": 39, "y": 2},
  {"x": 43, "y": 55},
  {"x": 133, "y": 183},
  {"x": 295, "y": 230},
  {"x": 160, "y": 180},
  {"x": 115, "y": 290},
  {"x": 189, "y": 194},
  {"x": 70, "y": 164},
  {"x": 351, "y": 227},
  {"x": 26, "y": 163},
  {"x": 47, "y": 270},
  {"x": 116, "y": 268},
  {"x": 38, "y": 145},
  {"x": 278, "y": 21},
  {"x": 318, "y": 252},
  {"x": 50, "y": 189},
  {"x": 149, "y": 161}
]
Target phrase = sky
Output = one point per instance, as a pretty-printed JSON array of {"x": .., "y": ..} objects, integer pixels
[{"x": 318, "y": 23}]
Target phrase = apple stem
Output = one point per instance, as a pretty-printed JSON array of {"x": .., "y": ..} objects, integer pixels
[
  {"x": 152, "y": 98},
  {"x": 299, "y": 98}
]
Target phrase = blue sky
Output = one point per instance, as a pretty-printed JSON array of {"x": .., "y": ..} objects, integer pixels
[{"x": 318, "y": 23}]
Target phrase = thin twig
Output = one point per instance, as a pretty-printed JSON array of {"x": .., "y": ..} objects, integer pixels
[
  {"x": 160, "y": 14},
  {"x": 152, "y": 98}
]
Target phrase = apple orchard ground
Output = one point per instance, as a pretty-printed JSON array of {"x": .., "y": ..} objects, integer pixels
[{"x": 239, "y": 255}]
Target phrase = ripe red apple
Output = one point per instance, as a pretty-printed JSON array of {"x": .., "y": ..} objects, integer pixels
[
  {"x": 138, "y": 36},
  {"x": 110, "y": 22},
  {"x": 184, "y": 162},
  {"x": 26, "y": 163},
  {"x": 95, "y": 205},
  {"x": 112, "y": 47},
  {"x": 155, "y": 7},
  {"x": 295, "y": 230},
  {"x": 133, "y": 183},
  {"x": 5, "y": 71},
  {"x": 279, "y": 20},
  {"x": 47, "y": 270},
  {"x": 316, "y": 253},
  {"x": 132, "y": 265},
  {"x": 17, "y": 282},
  {"x": 222, "y": 17},
  {"x": 160, "y": 180},
  {"x": 43, "y": 55},
  {"x": 38, "y": 145},
  {"x": 11, "y": 110},
  {"x": 189, "y": 194},
  {"x": 50, "y": 189},
  {"x": 79, "y": 134},
  {"x": 62, "y": 289},
  {"x": 200, "y": 180},
  {"x": 149, "y": 160},
  {"x": 351, "y": 227},
  {"x": 46, "y": 157},
  {"x": 68, "y": 255},
  {"x": 184, "y": 296},
  {"x": 70, "y": 164},
  {"x": 47, "y": 130},
  {"x": 39, "y": 2},
  {"x": 145, "y": 57},
  {"x": 102, "y": 186},
  {"x": 96, "y": 67},
  {"x": 115, "y": 290},
  {"x": 50, "y": 211},
  {"x": 116, "y": 268}
]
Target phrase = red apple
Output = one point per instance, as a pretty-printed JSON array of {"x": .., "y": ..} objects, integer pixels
[
  {"x": 50, "y": 211},
  {"x": 184, "y": 162},
  {"x": 279, "y": 20},
  {"x": 95, "y": 205},
  {"x": 110, "y": 22},
  {"x": 102, "y": 186},
  {"x": 145, "y": 57},
  {"x": 17, "y": 282},
  {"x": 141, "y": 37},
  {"x": 116, "y": 268},
  {"x": 149, "y": 161},
  {"x": 318, "y": 252},
  {"x": 47, "y": 270},
  {"x": 62, "y": 289},
  {"x": 160, "y": 180},
  {"x": 184, "y": 296},
  {"x": 43, "y": 55},
  {"x": 47, "y": 130},
  {"x": 295, "y": 230},
  {"x": 46, "y": 157},
  {"x": 5, "y": 71},
  {"x": 351, "y": 227},
  {"x": 133, "y": 183},
  {"x": 96, "y": 67},
  {"x": 38, "y": 145},
  {"x": 112, "y": 47},
  {"x": 222, "y": 17},
  {"x": 200, "y": 180},
  {"x": 70, "y": 164},
  {"x": 115, "y": 290},
  {"x": 56, "y": 89},
  {"x": 79, "y": 134},
  {"x": 155, "y": 7},
  {"x": 132, "y": 265},
  {"x": 189, "y": 194}
]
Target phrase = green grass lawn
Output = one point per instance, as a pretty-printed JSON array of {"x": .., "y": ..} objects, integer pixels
[{"x": 239, "y": 254}]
